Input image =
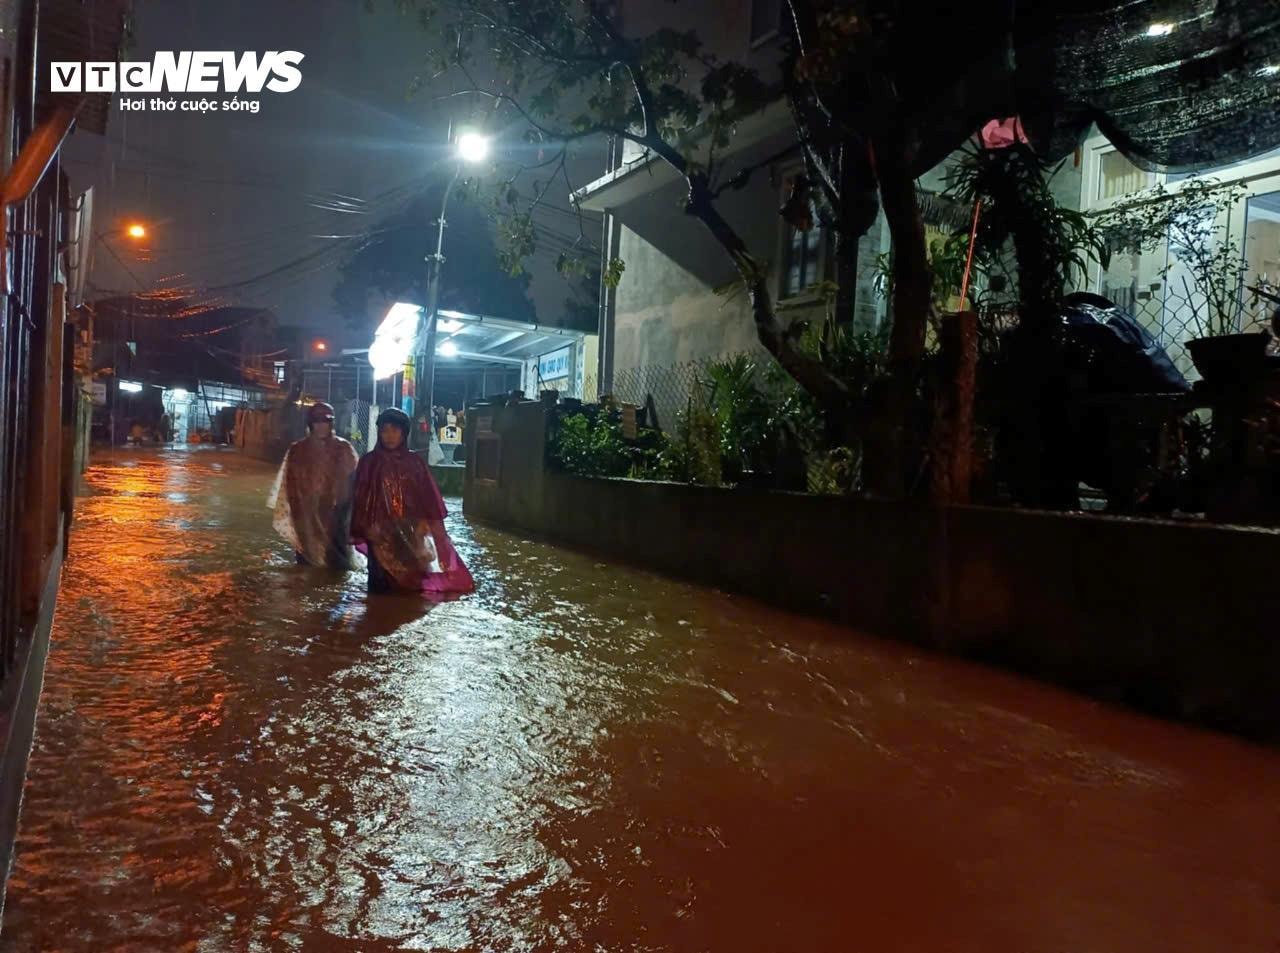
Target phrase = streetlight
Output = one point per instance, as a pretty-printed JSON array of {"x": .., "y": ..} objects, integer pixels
[
  {"x": 135, "y": 232},
  {"x": 473, "y": 147},
  {"x": 470, "y": 147}
]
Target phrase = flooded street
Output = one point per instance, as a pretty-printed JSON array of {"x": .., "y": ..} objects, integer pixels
[{"x": 237, "y": 754}]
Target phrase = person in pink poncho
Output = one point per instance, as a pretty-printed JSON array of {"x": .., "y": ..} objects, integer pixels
[{"x": 398, "y": 519}]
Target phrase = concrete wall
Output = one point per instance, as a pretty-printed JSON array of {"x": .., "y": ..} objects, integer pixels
[
  {"x": 667, "y": 314},
  {"x": 1153, "y": 614},
  {"x": 266, "y": 434}
]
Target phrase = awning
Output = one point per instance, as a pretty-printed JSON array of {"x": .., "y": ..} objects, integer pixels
[
  {"x": 482, "y": 339},
  {"x": 478, "y": 341}
]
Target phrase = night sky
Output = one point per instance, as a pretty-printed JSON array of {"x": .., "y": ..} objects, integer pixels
[{"x": 232, "y": 197}]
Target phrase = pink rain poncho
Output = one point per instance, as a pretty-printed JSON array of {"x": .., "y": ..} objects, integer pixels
[
  {"x": 398, "y": 521},
  {"x": 312, "y": 500}
]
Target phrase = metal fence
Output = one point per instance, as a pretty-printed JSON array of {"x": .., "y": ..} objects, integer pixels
[
  {"x": 672, "y": 387},
  {"x": 674, "y": 391},
  {"x": 1173, "y": 313},
  {"x": 355, "y": 422}
]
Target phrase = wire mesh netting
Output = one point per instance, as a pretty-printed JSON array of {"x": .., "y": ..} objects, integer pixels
[
  {"x": 672, "y": 388},
  {"x": 678, "y": 399}
]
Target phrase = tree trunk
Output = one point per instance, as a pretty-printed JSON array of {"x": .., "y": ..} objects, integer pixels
[
  {"x": 952, "y": 443},
  {"x": 912, "y": 281},
  {"x": 810, "y": 373}
]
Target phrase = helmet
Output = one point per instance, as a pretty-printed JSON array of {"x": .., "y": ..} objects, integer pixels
[
  {"x": 320, "y": 413},
  {"x": 393, "y": 416}
]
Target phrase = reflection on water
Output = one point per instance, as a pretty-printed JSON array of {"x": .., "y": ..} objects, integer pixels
[{"x": 237, "y": 754}]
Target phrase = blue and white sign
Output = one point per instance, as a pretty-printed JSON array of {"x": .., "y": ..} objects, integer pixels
[{"x": 555, "y": 365}]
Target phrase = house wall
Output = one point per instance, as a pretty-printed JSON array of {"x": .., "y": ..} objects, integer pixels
[
  {"x": 667, "y": 309},
  {"x": 666, "y": 314}
]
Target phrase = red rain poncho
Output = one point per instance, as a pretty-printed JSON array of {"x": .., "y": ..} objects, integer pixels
[
  {"x": 312, "y": 500},
  {"x": 398, "y": 521}
]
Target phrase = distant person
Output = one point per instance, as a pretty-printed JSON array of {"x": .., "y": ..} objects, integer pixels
[
  {"x": 312, "y": 498},
  {"x": 166, "y": 428},
  {"x": 440, "y": 418},
  {"x": 398, "y": 519}
]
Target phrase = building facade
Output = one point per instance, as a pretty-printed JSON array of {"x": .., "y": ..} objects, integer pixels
[
  {"x": 45, "y": 231},
  {"x": 679, "y": 300}
]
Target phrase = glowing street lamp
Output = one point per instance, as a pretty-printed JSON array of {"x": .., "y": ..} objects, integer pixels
[
  {"x": 136, "y": 231},
  {"x": 473, "y": 147},
  {"x": 447, "y": 349}
]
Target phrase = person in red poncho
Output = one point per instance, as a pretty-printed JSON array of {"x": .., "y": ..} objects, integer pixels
[{"x": 398, "y": 520}]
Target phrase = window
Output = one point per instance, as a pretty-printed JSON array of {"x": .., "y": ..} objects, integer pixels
[
  {"x": 1262, "y": 252},
  {"x": 1119, "y": 177},
  {"x": 803, "y": 259},
  {"x": 1158, "y": 286}
]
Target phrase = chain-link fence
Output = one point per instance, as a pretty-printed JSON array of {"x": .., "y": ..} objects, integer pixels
[
  {"x": 672, "y": 388},
  {"x": 354, "y": 423},
  {"x": 715, "y": 441}
]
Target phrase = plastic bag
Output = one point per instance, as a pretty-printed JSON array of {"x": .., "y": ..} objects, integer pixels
[{"x": 435, "y": 456}]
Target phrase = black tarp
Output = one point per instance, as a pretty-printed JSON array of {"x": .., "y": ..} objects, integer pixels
[{"x": 1175, "y": 84}]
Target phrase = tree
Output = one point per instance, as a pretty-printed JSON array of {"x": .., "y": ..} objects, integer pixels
[
  {"x": 570, "y": 72},
  {"x": 391, "y": 264}
]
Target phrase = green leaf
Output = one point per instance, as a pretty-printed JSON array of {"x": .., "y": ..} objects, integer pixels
[{"x": 613, "y": 272}]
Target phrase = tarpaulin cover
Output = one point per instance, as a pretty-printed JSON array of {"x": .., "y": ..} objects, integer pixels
[
  {"x": 312, "y": 500},
  {"x": 398, "y": 521},
  {"x": 1175, "y": 84}
]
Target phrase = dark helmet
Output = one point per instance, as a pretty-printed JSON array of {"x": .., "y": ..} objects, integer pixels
[
  {"x": 394, "y": 416},
  {"x": 320, "y": 413}
]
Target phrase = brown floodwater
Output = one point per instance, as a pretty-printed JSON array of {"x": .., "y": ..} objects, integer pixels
[{"x": 234, "y": 753}]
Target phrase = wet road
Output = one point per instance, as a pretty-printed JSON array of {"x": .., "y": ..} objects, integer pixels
[{"x": 237, "y": 754}]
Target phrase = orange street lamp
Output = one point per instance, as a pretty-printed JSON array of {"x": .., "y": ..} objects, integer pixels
[
  {"x": 136, "y": 230},
  {"x": 320, "y": 346}
]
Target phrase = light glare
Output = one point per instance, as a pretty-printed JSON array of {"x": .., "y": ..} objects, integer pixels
[
  {"x": 447, "y": 349},
  {"x": 473, "y": 147}
]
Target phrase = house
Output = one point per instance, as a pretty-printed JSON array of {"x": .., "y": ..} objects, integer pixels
[
  {"x": 679, "y": 301},
  {"x": 45, "y": 233}
]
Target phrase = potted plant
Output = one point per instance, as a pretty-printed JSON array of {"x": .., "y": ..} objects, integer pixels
[{"x": 1227, "y": 347}]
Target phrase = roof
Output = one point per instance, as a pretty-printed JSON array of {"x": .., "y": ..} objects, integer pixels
[
  {"x": 81, "y": 31},
  {"x": 482, "y": 340},
  {"x": 647, "y": 173}
]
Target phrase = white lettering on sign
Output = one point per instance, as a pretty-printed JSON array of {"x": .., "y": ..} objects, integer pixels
[
  {"x": 204, "y": 71},
  {"x": 554, "y": 365}
]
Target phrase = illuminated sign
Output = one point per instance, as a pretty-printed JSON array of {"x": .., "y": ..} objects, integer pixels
[{"x": 554, "y": 365}]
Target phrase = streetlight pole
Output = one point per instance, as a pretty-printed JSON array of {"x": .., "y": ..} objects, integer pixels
[
  {"x": 471, "y": 147},
  {"x": 434, "y": 263}
]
